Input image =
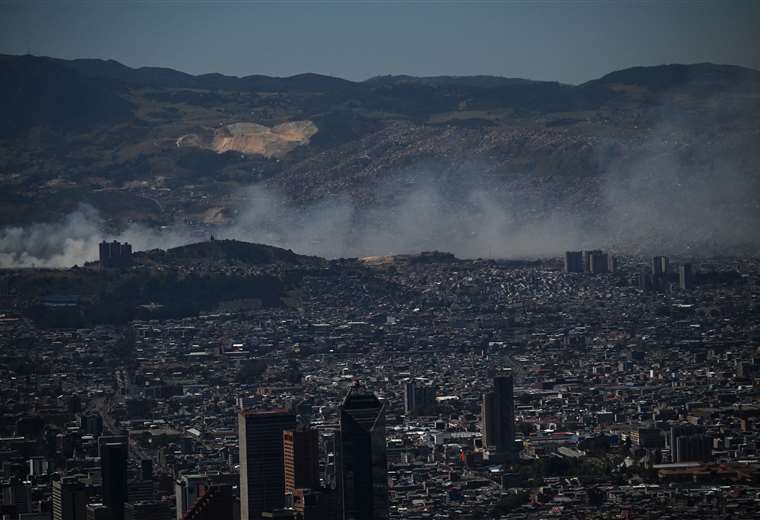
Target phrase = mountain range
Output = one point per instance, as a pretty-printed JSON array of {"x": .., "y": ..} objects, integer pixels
[{"x": 158, "y": 146}]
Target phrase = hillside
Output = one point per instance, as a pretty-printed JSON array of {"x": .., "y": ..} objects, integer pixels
[
  {"x": 204, "y": 277},
  {"x": 216, "y": 254},
  {"x": 182, "y": 281},
  {"x": 161, "y": 147}
]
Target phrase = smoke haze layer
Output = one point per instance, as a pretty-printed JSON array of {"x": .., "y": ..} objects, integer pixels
[
  {"x": 650, "y": 206},
  {"x": 74, "y": 240}
]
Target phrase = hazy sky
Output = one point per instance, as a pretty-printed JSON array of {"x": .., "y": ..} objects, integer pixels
[{"x": 555, "y": 40}]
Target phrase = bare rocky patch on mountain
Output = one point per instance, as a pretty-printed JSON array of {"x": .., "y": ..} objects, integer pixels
[{"x": 253, "y": 138}]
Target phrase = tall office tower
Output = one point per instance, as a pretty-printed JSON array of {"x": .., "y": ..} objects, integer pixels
[
  {"x": 676, "y": 432},
  {"x": 598, "y": 262},
  {"x": 262, "y": 475},
  {"x": 114, "y": 254},
  {"x": 146, "y": 469},
  {"x": 573, "y": 262},
  {"x": 92, "y": 424},
  {"x": 488, "y": 419},
  {"x": 660, "y": 265},
  {"x": 363, "y": 473},
  {"x": 612, "y": 264},
  {"x": 685, "y": 280},
  {"x": 650, "y": 438},
  {"x": 656, "y": 265},
  {"x": 744, "y": 369},
  {"x": 419, "y": 400},
  {"x": 17, "y": 495},
  {"x": 505, "y": 412},
  {"x": 426, "y": 400},
  {"x": 301, "y": 450},
  {"x": 410, "y": 391},
  {"x": 113, "y": 465},
  {"x": 587, "y": 258},
  {"x": 693, "y": 448},
  {"x": 69, "y": 499},
  {"x": 329, "y": 446},
  {"x": 186, "y": 493}
]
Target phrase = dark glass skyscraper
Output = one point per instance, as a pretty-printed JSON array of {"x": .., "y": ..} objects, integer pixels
[
  {"x": 685, "y": 277},
  {"x": 498, "y": 415},
  {"x": 113, "y": 464},
  {"x": 69, "y": 499},
  {"x": 363, "y": 474},
  {"x": 573, "y": 261},
  {"x": 301, "y": 447},
  {"x": 262, "y": 475},
  {"x": 418, "y": 400},
  {"x": 488, "y": 420}
]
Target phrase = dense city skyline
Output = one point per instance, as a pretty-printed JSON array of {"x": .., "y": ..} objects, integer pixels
[{"x": 233, "y": 289}]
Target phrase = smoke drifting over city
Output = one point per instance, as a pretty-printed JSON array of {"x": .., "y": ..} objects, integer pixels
[
  {"x": 477, "y": 226},
  {"x": 654, "y": 205},
  {"x": 73, "y": 241}
]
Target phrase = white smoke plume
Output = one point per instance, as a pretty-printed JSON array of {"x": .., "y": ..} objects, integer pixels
[
  {"x": 650, "y": 208},
  {"x": 73, "y": 241},
  {"x": 477, "y": 225}
]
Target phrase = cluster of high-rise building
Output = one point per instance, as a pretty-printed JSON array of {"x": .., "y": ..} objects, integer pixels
[
  {"x": 592, "y": 261},
  {"x": 660, "y": 276},
  {"x": 279, "y": 464},
  {"x": 114, "y": 255},
  {"x": 121, "y": 497}
]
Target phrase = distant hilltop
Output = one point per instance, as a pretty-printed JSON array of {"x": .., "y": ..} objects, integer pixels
[
  {"x": 220, "y": 252},
  {"x": 116, "y": 254},
  {"x": 176, "y": 282}
]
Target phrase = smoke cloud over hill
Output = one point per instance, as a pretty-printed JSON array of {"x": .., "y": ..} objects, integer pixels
[
  {"x": 73, "y": 241},
  {"x": 669, "y": 164},
  {"x": 425, "y": 218},
  {"x": 655, "y": 205}
]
